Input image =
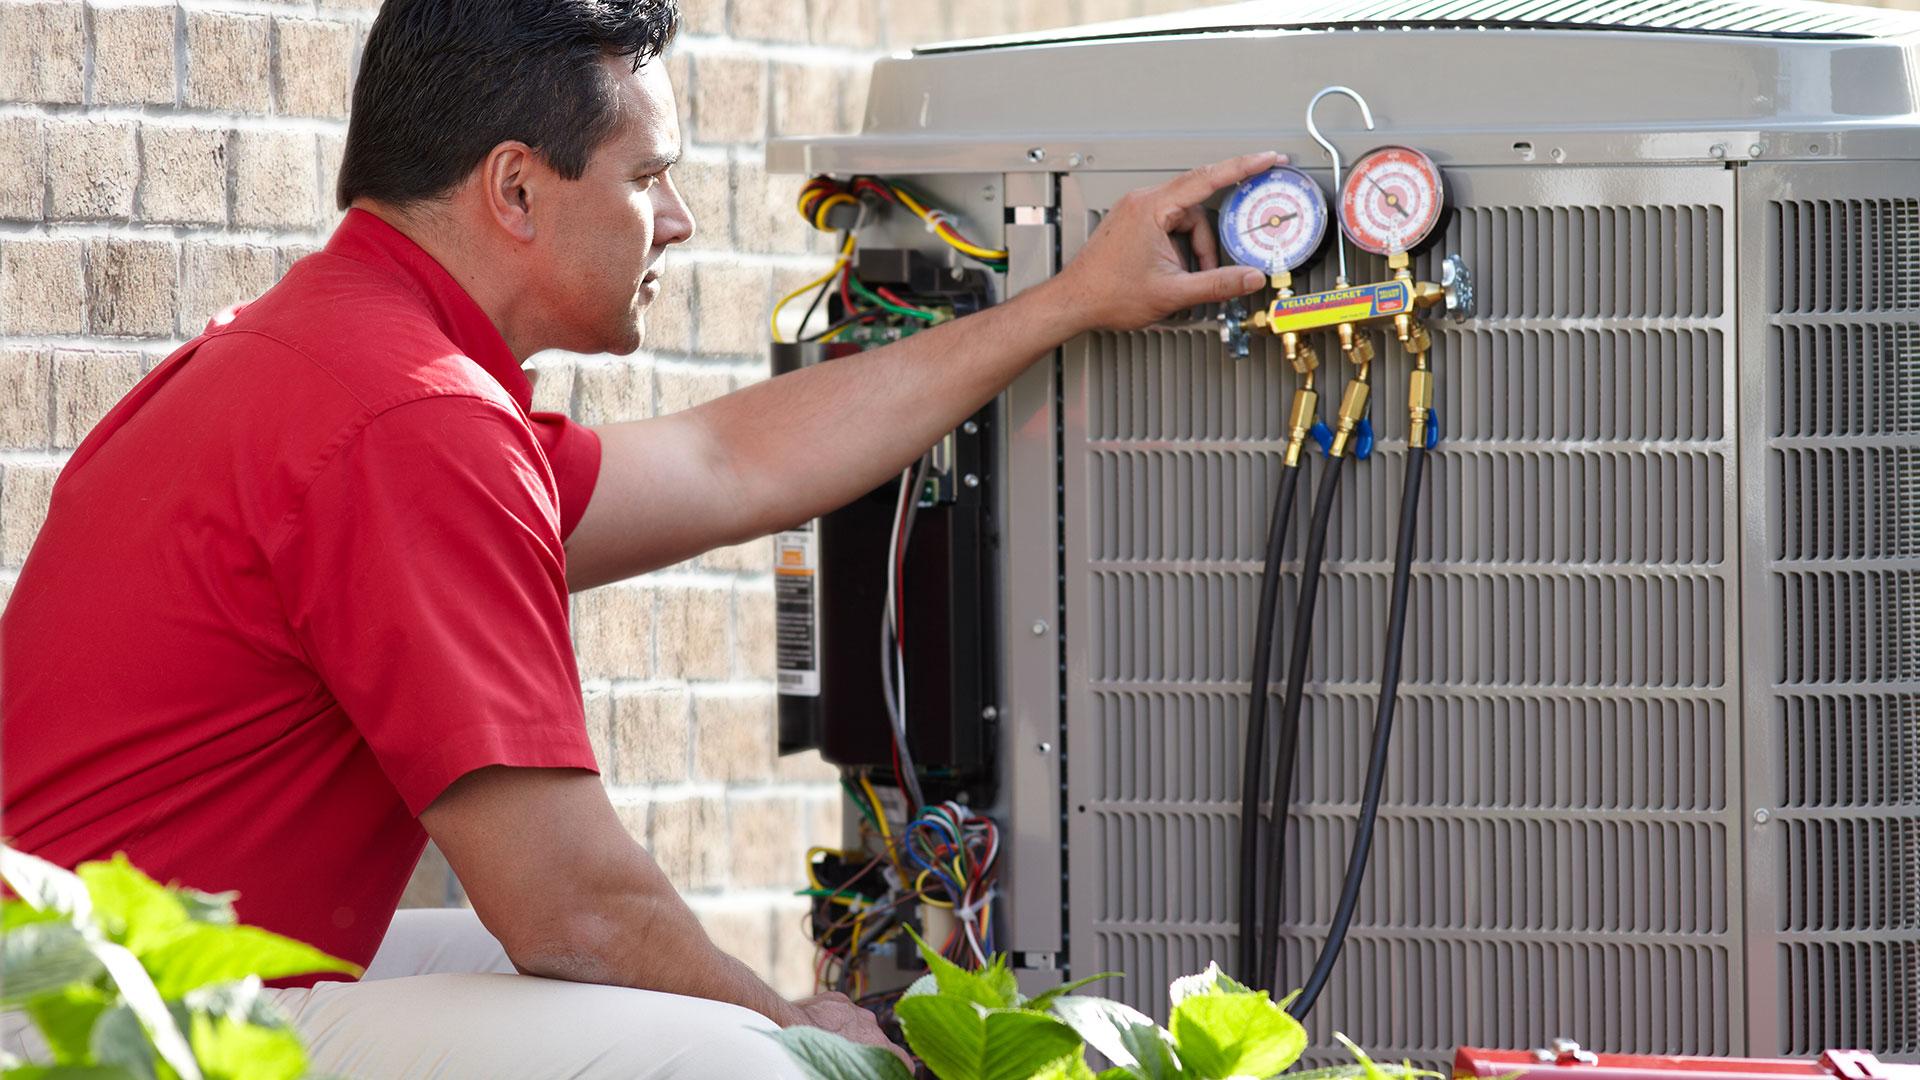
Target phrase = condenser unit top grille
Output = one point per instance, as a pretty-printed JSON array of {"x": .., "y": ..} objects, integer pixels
[{"x": 1740, "y": 18}]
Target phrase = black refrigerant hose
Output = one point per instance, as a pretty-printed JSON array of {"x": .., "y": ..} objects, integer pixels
[
  {"x": 1382, "y": 733},
  {"x": 1256, "y": 736},
  {"x": 1290, "y": 720}
]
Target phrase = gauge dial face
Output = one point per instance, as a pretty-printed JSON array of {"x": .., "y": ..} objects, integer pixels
[
  {"x": 1391, "y": 200},
  {"x": 1274, "y": 221}
]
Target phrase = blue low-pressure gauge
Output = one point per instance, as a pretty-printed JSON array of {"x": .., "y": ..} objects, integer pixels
[{"x": 1274, "y": 221}]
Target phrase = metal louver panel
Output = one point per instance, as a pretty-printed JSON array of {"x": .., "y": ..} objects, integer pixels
[
  {"x": 1834, "y": 573},
  {"x": 1563, "y": 807}
]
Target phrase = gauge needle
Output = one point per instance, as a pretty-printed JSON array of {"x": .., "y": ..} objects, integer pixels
[
  {"x": 1391, "y": 200},
  {"x": 1273, "y": 222}
]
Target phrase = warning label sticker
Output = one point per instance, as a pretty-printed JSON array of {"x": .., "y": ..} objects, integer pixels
[{"x": 796, "y": 567}]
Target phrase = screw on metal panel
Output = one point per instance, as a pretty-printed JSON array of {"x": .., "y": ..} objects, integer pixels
[
  {"x": 989, "y": 713},
  {"x": 1716, "y": 151},
  {"x": 956, "y": 273},
  {"x": 970, "y": 480},
  {"x": 970, "y": 428},
  {"x": 1756, "y": 150},
  {"x": 1037, "y": 154},
  {"x": 989, "y": 194},
  {"x": 1074, "y": 161},
  {"x": 1762, "y": 816},
  {"x": 1559, "y": 154},
  {"x": 1045, "y": 748},
  {"x": 1039, "y": 627}
]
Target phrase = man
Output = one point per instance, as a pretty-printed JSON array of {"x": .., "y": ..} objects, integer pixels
[{"x": 301, "y": 598}]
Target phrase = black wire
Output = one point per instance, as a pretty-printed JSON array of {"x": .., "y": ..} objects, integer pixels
[
  {"x": 1290, "y": 717},
  {"x": 1382, "y": 734},
  {"x": 866, "y": 313},
  {"x": 1256, "y": 737},
  {"x": 817, "y": 297}
]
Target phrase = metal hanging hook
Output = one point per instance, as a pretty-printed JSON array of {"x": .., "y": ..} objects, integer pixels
[{"x": 1334, "y": 151}]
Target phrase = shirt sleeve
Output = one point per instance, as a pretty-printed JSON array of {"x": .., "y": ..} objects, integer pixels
[
  {"x": 425, "y": 579},
  {"x": 573, "y": 450}
]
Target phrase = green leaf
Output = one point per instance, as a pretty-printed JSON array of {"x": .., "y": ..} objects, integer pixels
[
  {"x": 43, "y": 958},
  {"x": 1210, "y": 981},
  {"x": 137, "y": 990},
  {"x": 822, "y": 1055},
  {"x": 1355, "y": 1072},
  {"x": 956, "y": 981},
  {"x": 925, "y": 984},
  {"x": 20, "y": 913},
  {"x": 66, "y": 1020},
  {"x": 961, "y": 1041},
  {"x": 1055, "y": 993},
  {"x": 1071, "y": 1067},
  {"x": 1115, "y": 1073},
  {"x": 999, "y": 979},
  {"x": 236, "y": 1051},
  {"x": 1222, "y": 1034},
  {"x": 67, "y": 1072},
  {"x": 45, "y": 886},
  {"x": 118, "y": 1040},
  {"x": 1374, "y": 1071},
  {"x": 244, "y": 1002},
  {"x": 134, "y": 909},
  {"x": 201, "y": 953},
  {"x": 1128, "y": 1038}
]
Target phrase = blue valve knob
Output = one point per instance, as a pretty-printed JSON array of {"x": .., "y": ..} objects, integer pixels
[
  {"x": 1363, "y": 440},
  {"x": 1433, "y": 428},
  {"x": 1323, "y": 435}
]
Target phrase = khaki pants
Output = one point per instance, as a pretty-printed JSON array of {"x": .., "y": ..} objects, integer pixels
[{"x": 440, "y": 1002}]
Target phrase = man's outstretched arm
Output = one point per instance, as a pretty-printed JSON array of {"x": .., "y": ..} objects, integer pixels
[
  {"x": 553, "y": 874},
  {"x": 786, "y": 450}
]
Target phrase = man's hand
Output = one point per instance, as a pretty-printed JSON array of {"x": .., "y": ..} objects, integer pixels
[
  {"x": 1130, "y": 274},
  {"x": 838, "y": 1014}
]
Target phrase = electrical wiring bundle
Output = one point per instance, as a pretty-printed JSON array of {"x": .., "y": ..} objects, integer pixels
[
  {"x": 829, "y": 205},
  {"x": 937, "y": 874}
]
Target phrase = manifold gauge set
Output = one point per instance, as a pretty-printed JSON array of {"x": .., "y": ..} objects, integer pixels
[{"x": 1390, "y": 203}]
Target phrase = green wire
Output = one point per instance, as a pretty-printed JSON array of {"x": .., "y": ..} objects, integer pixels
[
  {"x": 861, "y": 803},
  {"x": 881, "y": 301}
]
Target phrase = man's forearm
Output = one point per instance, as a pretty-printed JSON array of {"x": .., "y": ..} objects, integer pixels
[
  {"x": 875, "y": 412},
  {"x": 651, "y": 940},
  {"x": 792, "y": 448}
]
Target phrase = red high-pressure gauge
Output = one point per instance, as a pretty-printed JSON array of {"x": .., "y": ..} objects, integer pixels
[{"x": 1392, "y": 199}]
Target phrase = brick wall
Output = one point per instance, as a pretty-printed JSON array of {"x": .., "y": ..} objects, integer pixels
[{"x": 159, "y": 161}]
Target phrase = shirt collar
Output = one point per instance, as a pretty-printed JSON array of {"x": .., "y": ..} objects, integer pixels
[{"x": 367, "y": 239}]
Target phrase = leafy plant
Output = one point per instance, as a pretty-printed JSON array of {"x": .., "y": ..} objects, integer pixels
[
  {"x": 976, "y": 1025},
  {"x": 128, "y": 979}
]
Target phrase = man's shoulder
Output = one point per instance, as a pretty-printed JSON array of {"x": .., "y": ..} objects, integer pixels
[{"x": 358, "y": 329}]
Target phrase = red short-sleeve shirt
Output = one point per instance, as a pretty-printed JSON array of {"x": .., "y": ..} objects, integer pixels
[{"x": 303, "y": 577}]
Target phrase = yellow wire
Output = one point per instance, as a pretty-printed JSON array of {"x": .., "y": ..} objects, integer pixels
[
  {"x": 955, "y": 240},
  {"x": 846, "y": 254},
  {"x": 838, "y": 198},
  {"x": 920, "y": 888},
  {"x": 879, "y": 812}
]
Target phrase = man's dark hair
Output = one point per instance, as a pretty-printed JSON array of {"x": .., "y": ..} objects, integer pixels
[{"x": 442, "y": 82}]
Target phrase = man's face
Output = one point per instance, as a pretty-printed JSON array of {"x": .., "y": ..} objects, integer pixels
[{"x": 610, "y": 229}]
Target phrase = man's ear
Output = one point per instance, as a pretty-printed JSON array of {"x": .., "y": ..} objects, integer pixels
[{"x": 508, "y": 178}]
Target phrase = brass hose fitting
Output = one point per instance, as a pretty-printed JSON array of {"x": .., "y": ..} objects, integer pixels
[
  {"x": 1353, "y": 406},
  {"x": 1419, "y": 403},
  {"x": 1306, "y": 403}
]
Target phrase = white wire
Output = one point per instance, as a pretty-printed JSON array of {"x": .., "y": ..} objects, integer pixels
[{"x": 893, "y": 657}]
